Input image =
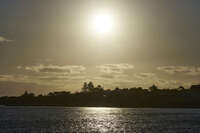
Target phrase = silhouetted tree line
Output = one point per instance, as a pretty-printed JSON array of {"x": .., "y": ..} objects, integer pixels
[{"x": 126, "y": 97}]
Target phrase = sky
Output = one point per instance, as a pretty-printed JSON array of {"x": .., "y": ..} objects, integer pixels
[{"x": 51, "y": 45}]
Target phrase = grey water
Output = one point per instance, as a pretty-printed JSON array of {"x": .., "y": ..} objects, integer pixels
[{"x": 64, "y": 120}]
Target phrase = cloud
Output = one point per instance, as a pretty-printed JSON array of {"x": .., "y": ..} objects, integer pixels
[
  {"x": 114, "y": 68},
  {"x": 57, "y": 76},
  {"x": 61, "y": 78},
  {"x": 12, "y": 85},
  {"x": 6, "y": 77},
  {"x": 107, "y": 76},
  {"x": 65, "y": 69},
  {"x": 148, "y": 79},
  {"x": 44, "y": 82},
  {"x": 112, "y": 75},
  {"x": 17, "y": 78},
  {"x": 53, "y": 78},
  {"x": 12, "y": 88},
  {"x": 186, "y": 70},
  {"x": 3, "y": 39},
  {"x": 145, "y": 75}
]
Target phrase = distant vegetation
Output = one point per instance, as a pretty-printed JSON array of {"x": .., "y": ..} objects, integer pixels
[{"x": 126, "y": 97}]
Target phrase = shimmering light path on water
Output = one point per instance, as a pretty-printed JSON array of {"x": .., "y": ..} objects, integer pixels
[{"x": 62, "y": 119}]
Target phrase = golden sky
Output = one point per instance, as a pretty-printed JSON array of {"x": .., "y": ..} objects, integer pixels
[{"x": 54, "y": 45}]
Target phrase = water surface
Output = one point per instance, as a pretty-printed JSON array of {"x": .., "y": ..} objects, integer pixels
[{"x": 63, "y": 119}]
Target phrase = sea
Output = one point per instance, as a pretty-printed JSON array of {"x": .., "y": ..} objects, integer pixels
[{"x": 97, "y": 120}]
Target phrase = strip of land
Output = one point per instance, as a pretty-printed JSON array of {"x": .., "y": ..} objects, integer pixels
[{"x": 91, "y": 96}]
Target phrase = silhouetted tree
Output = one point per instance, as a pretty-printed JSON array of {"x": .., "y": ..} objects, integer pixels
[
  {"x": 99, "y": 88},
  {"x": 117, "y": 89},
  {"x": 153, "y": 88},
  {"x": 25, "y": 94},
  {"x": 90, "y": 86},
  {"x": 85, "y": 87},
  {"x": 28, "y": 95},
  {"x": 181, "y": 88},
  {"x": 50, "y": 94}
]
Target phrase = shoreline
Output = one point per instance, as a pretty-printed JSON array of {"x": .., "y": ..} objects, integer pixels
[{"x": 147, "y": 107}]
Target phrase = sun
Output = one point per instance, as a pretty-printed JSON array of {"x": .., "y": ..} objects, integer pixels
[{"x": 103, "y": 23}]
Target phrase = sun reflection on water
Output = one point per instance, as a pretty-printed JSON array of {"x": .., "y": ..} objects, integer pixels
[{"x": 102, "y": 119}]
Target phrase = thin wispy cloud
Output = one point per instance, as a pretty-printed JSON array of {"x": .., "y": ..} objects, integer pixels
[
  {"x": 186, "y": 70},
  {"x": 67, "y": 69},
  {"x": 4, "y": 40},
  {"x": 145, "y": 75},
  {"x": 114, "y": 68}
]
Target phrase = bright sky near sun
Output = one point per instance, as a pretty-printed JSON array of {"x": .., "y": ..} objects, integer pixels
[
  {"x": 49, "y": 45},
  {"x": 103, "y": 23}
]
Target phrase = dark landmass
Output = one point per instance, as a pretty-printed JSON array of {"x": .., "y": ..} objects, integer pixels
[{"x": 91, "y": 96}]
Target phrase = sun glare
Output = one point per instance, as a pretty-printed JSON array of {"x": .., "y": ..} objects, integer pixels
[{"x": 103, "y": 23}]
